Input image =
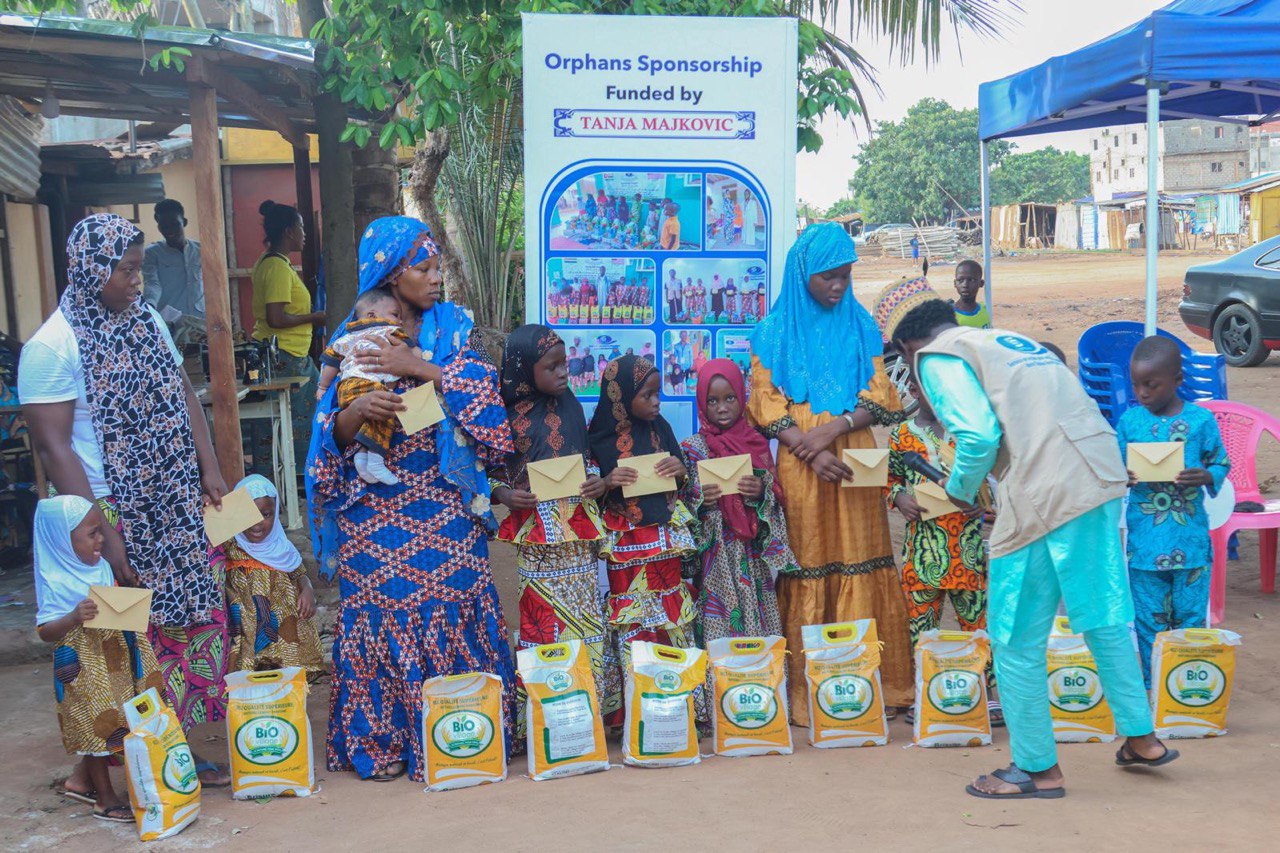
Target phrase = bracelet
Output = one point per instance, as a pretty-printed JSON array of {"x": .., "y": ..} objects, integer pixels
[{"x": 848, "y": 418}]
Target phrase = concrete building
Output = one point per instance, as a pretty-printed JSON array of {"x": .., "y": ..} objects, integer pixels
[{"x": 1194, "y": 155}]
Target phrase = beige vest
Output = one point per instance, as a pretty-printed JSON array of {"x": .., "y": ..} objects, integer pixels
[{"x": 1058, "y": 456}]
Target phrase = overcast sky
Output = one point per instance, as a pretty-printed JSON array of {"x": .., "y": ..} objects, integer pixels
[{"x": 1044, "y": 28}]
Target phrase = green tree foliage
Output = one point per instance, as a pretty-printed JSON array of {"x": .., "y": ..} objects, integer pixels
[
  {"x": 843, "y": 207},
  {"x": 1046, "y": 175},
  {"x": 924, "y": 167}
]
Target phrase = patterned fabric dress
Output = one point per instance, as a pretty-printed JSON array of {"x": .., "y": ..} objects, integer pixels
[
  {"x": 734, "y": 576},
  {"x": 263, "y": 622},
  {"x": 94, "y": 673}
]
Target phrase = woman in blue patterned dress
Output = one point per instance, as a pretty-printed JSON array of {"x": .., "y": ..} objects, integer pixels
[{"x": 412, "y": 560}]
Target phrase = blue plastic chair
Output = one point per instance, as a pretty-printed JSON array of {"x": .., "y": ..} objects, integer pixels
[{"x": 1104, "y": 351}]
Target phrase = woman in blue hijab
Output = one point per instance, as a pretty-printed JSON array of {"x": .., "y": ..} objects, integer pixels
[
  {"x": 416, "y": 594},
  {"x": 817, "y": 386}
]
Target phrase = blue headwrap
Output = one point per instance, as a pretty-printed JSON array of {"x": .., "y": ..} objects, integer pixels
[
  {"x": 390, "y": 246},
  {"x": 818, "y": 355}
]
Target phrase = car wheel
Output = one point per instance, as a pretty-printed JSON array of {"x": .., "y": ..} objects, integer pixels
[
  {"x": 898, "y": 372},
  {"x": 1237, "y": 334}
]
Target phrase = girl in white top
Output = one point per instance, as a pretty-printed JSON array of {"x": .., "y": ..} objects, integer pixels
[{"x": 95, "y": 670}]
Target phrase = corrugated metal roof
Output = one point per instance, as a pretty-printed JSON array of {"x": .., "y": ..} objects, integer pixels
[{"x": 19, "y": 150}]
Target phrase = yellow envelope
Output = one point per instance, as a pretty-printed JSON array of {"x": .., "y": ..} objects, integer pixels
[
  {"x": 120, "y": 608},
  {"x": 725, "y": 472},
  {"x": 648, "y": 483},
  {"x": 933, "y": 500},
  {"x": 239, "y": 513},
  {"x": 1157, "y": 461},
  {"x": 870, "y": 468},
  {"x": 553, "y": 479},
  {"x": 422, "y": 408}
]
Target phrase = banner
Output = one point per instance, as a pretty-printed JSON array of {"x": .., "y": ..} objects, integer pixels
[{"x": 659, "y": 189}]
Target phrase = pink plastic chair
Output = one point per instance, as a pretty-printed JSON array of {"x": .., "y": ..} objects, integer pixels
[{"x": 1242, "y": 427}]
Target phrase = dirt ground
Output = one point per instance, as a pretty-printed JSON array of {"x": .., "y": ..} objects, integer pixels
[{"x": 1222, "y": 792}]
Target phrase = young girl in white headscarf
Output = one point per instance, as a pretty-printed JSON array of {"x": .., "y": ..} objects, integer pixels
[
  {"x": 269, "y": 596},
  {"x": 95, "y": 670}
]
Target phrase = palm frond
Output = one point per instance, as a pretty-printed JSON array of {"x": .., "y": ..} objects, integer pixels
[{"x": 909, "y": 25}]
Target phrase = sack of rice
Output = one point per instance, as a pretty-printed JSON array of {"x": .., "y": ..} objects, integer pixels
[
  {"x": 565, "y": 732},
  {"x": 1192, "y": 670},
  {"x": 164, "y": 787},
  {"x": 1076, "y": 703},
  {"x": 842, "y": 671},
  {"x": 951, "y": 689},
  {"x": 462, "y": 730},
  {"x": 749, "y": 687},
  {"x": 269, "y": 733},
  {"x": 658, "y": 696}
]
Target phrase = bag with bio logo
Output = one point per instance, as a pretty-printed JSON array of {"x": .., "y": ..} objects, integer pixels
[
  {"x": 658, "y": 696},
  {"x": 1077, "y": 705},
  {"x": 163, "y": 785},
  {"x": 842, "y": 668},
  {"x": 951, "y": 689},
  {"x": 269, "y": 733},
  {"x": 1192, "y": 670},
  {"x": 749, "y": 686},
  {"x": 565, "y": 732},
  {"x": 462, "y": 730}
]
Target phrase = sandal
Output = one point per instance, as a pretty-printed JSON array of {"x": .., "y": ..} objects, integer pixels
[
  {"x": 996, "y": 713},
  {"x": 1027, "y": 789},
  {"x": 1135, "y": 760},
  {"x": 89, "y": 798},
  {"x": 210, "y": 767},
  {"x": 910, "y": 716},
  {"x": 115, "y": 814},
  {"x": 387, "y": 775}
]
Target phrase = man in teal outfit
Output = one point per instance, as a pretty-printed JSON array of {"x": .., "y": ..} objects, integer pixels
[{"x": 1017, "y": 412}]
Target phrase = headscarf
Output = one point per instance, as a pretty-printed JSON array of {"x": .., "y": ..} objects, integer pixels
[
  {"x": 615, "y": 435},
  {"x": 390, "y": 246},
  {"x": 818, "y": 355},
  {"x": 62, "y": 578},
  {"x": 739, "y": 438},
  {"x": 138, "y": 404},
  {"x": 543, "y": 427},
  {"x": 276, "y": 551}
]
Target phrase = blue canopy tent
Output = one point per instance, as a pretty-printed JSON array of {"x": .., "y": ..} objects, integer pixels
[{"x": 1216, "y": 59}]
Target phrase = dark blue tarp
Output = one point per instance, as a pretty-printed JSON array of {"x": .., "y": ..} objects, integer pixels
[{"x": 1189, "y": 45}]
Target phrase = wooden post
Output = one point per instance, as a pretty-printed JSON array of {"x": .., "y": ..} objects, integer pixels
[
  {"x": 307, "y": 210},
  {"x": 227, "y": 440}
]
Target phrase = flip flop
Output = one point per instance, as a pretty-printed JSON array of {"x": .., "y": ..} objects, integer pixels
[
  {"x": 89, "y": 798},
  {"x": 115, "y": 814},
  {"x": 389, "y": 777},
  {"x": 910, "y": 716},
  {"x": 210, "y": 767},
  {"x": 1139, "y": 761},
  {"x": 1027, "y": 789},
  {"x": 993, "y": 708}
]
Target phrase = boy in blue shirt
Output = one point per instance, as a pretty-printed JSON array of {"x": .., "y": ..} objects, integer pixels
[{"x": 1170, "y": 555}]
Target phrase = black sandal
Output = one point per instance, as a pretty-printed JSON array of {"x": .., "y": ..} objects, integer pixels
[
  {"x": 1135, "y": 760},
  {"x": 384, "y": 776},
  {"x": 89, "y": 798},
  {"x": 1027, "y": 789},
  {"x": 115, "y": 814}
]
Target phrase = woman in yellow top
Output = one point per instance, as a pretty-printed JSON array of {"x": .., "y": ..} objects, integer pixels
[
  {"x": 817, "y": 386},
  {"x": 282, "y": 307}
]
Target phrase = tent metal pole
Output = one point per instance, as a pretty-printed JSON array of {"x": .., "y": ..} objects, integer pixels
[
  {"x": 1153, "y": 202},
  {"x": 985, "y": 183}
]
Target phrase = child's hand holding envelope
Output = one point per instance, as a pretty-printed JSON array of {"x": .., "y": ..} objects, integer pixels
[
  {"x": 870, "y": 468},
  {"x": 933, "y": 500},
  {"x": 553, "y": 479},
  {"x": 237, "y": 515},
  {"x": 648, "y": 481},
  {"x": 1156, "y": 461},
  {"x": 421, "y": 408},
  {"x": 725, "y": 472},
  {"x": 120, "y": 608}
]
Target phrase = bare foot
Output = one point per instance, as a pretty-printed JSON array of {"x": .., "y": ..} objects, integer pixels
[{"x": 1146, "y": 746}]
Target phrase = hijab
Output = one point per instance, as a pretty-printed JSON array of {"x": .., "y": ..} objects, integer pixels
[
  {"x": 739, "y": 438},
  {"x": 138, "y": 404},
  {"x": 818, "y": 355},
  {"x": 543, "y": 427},
  {"x": 390, "y": 246},
  {"x": 616, "y": 435},
  {"x": 62, "y": 578},
  {"x": 276, "y": 551}
]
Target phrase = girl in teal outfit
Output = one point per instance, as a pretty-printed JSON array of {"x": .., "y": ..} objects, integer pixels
[{"x": 1170, "y": 556}]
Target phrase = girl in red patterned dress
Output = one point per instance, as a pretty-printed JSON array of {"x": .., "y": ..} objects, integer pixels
[
  {"x": 556, "y": 541},
  {"x": 645, "y": 537}
]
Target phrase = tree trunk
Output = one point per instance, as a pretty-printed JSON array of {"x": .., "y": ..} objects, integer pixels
[
  {"x": 424, "y": 180},
  {"x": 375, "y": 179}
]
